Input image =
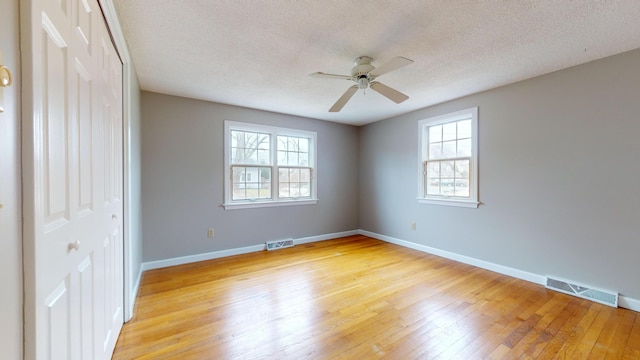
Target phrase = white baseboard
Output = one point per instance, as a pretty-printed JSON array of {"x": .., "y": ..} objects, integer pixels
[
  {"x": 324, "y": 237},
  {"x": 629, "y": 303},
  {"x": 157, "y": 264},
  {"x": 134, "y": 294},
  {"x": 624, "y": 302}
]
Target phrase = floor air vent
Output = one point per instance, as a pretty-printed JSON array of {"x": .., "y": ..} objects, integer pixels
[
  {"x": 567, "y": 287},
  {"x": 279, "y": 244}
]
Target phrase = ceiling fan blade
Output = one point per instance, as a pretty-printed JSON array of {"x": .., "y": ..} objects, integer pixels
[
  {"x": 331, "y": 76},
  {"x": 393, "y": 95},
  {"x": 344, "y": 98},
  {"x": 393, "y": 64}
]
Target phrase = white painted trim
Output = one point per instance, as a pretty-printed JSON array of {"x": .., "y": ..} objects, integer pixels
[
  {"x": 130, "y": 303},
  {"x": 450, "y": 202},
  {"x": 270, "y": 203},
  {"x": 111, "y": 16},
  {"x": 157, "y": 264},
  {"x": 324, "y": 237},
  {"x": 623, "y": 301},
  {"x": 629, "y": 303},
  {"x": 505, "y": 270}
]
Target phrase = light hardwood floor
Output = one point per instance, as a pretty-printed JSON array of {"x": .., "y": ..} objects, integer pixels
[{"x": 361, "y": 298}]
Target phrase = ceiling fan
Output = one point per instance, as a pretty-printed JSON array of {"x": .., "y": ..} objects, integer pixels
[{"x": 364, "y": 74}]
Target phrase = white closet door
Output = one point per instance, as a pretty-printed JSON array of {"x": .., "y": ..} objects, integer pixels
[{"x": 73, "y": 193}]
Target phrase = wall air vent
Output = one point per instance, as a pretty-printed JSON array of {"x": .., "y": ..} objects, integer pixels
[
  {"x": 279, "y": 244},
  {"x": 585, "y": 292}
]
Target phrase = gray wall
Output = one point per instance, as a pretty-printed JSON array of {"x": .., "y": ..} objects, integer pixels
[
  {"x": 182, "y": 174},
  {"x": 559, "y": 177},
  {"x": 11, "y": 212}
]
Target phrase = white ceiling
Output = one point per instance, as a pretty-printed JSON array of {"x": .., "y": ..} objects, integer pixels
[{"x": 258, "y": 54}]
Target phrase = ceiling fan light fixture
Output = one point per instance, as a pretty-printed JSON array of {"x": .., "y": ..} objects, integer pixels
[{"x": 363, "y": 83}]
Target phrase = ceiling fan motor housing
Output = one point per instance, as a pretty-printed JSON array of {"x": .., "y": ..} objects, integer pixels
[{"x": 361, "y": 71}]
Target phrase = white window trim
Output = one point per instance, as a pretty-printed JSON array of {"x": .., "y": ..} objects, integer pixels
[
  {"x": 275, "y": 201},
  {"x": 472, "y": 201}
]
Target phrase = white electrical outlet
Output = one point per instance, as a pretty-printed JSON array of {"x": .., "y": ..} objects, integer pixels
[
  {"x": 413, "y": 226},
  {"x": 210, "y": 233}
]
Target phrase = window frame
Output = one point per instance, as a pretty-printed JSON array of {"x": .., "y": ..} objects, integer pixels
[
  {"x": 423, "y": 157},
  {"x": 273, "y": 132}
]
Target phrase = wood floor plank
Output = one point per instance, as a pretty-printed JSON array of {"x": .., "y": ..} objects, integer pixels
[
  {"x": 632, "y": 349},
  {"x": 361, "y": 298}
]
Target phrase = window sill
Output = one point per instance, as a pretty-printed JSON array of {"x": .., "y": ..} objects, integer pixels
[
  {"x": 449, "y": 202},
  {"x": 262, "y": 204}
]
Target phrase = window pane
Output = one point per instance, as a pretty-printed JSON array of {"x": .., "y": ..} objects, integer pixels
[
  {"x": 433, "y": 186},
  {"x": 282, "y": 157},
  {"x": 294, "y": 189},
  {"x": 263, "y": 142},
  {"x": 249, "y": 148},
  {"x": 446, "y": 169},
  {"x": 250, "y": 140},
  {"x": 251, "y": 183},
  {"x": 447, "y": 187},
  {"x": 251, "y": 156},
  {"x": 462, "y": 169},
  {"x": 464, "y": 129},
  {"x": 294, "y": 159},
  {"x": 284, "y": 190},
  {"x": 305, "y": 189},
  {"x": 448, "y": 131},
  {"x": 304, "y": 159},
  {"x": 305, "y": 185},
  {"x": 448, "y": 178},
  {"x": 305, "y": 175},
  {"x": 435, "y": 150},
  {"x": 293, "y": 151},
  {"x": 294, "y": 183},
  {"x": 464, "y": 147},
  {"x": 238, "y": 183},
  {"x": 294, "y": 175},
  {"x": 449, "y": 149},
  {"x": 263, "y": 157},
  {"x": 234, "y": 138},
  {"x": 304, "y": 145},
  {"x": 435, "y": 133},
  {"x": 282, "y": 143},
  {"x": 292, "y": 144},
  {"x": 462, "y": 188},
  {"x": 283, "y": 175},
  {"x": 433, "y": 169}
]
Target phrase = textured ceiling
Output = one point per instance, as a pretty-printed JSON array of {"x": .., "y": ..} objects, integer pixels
[{"x": 258, "y": 54}]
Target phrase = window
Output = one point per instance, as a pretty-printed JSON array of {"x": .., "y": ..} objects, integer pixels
[
  {"x": 268, "y": 166},
  {"x": 449, "y": 159}
]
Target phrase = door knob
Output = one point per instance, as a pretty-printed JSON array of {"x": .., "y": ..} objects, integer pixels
[
  {"x": 114, "y": 217},
  {"x": 5, "y": 76},
  {"x": 74, "y": 245}
]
